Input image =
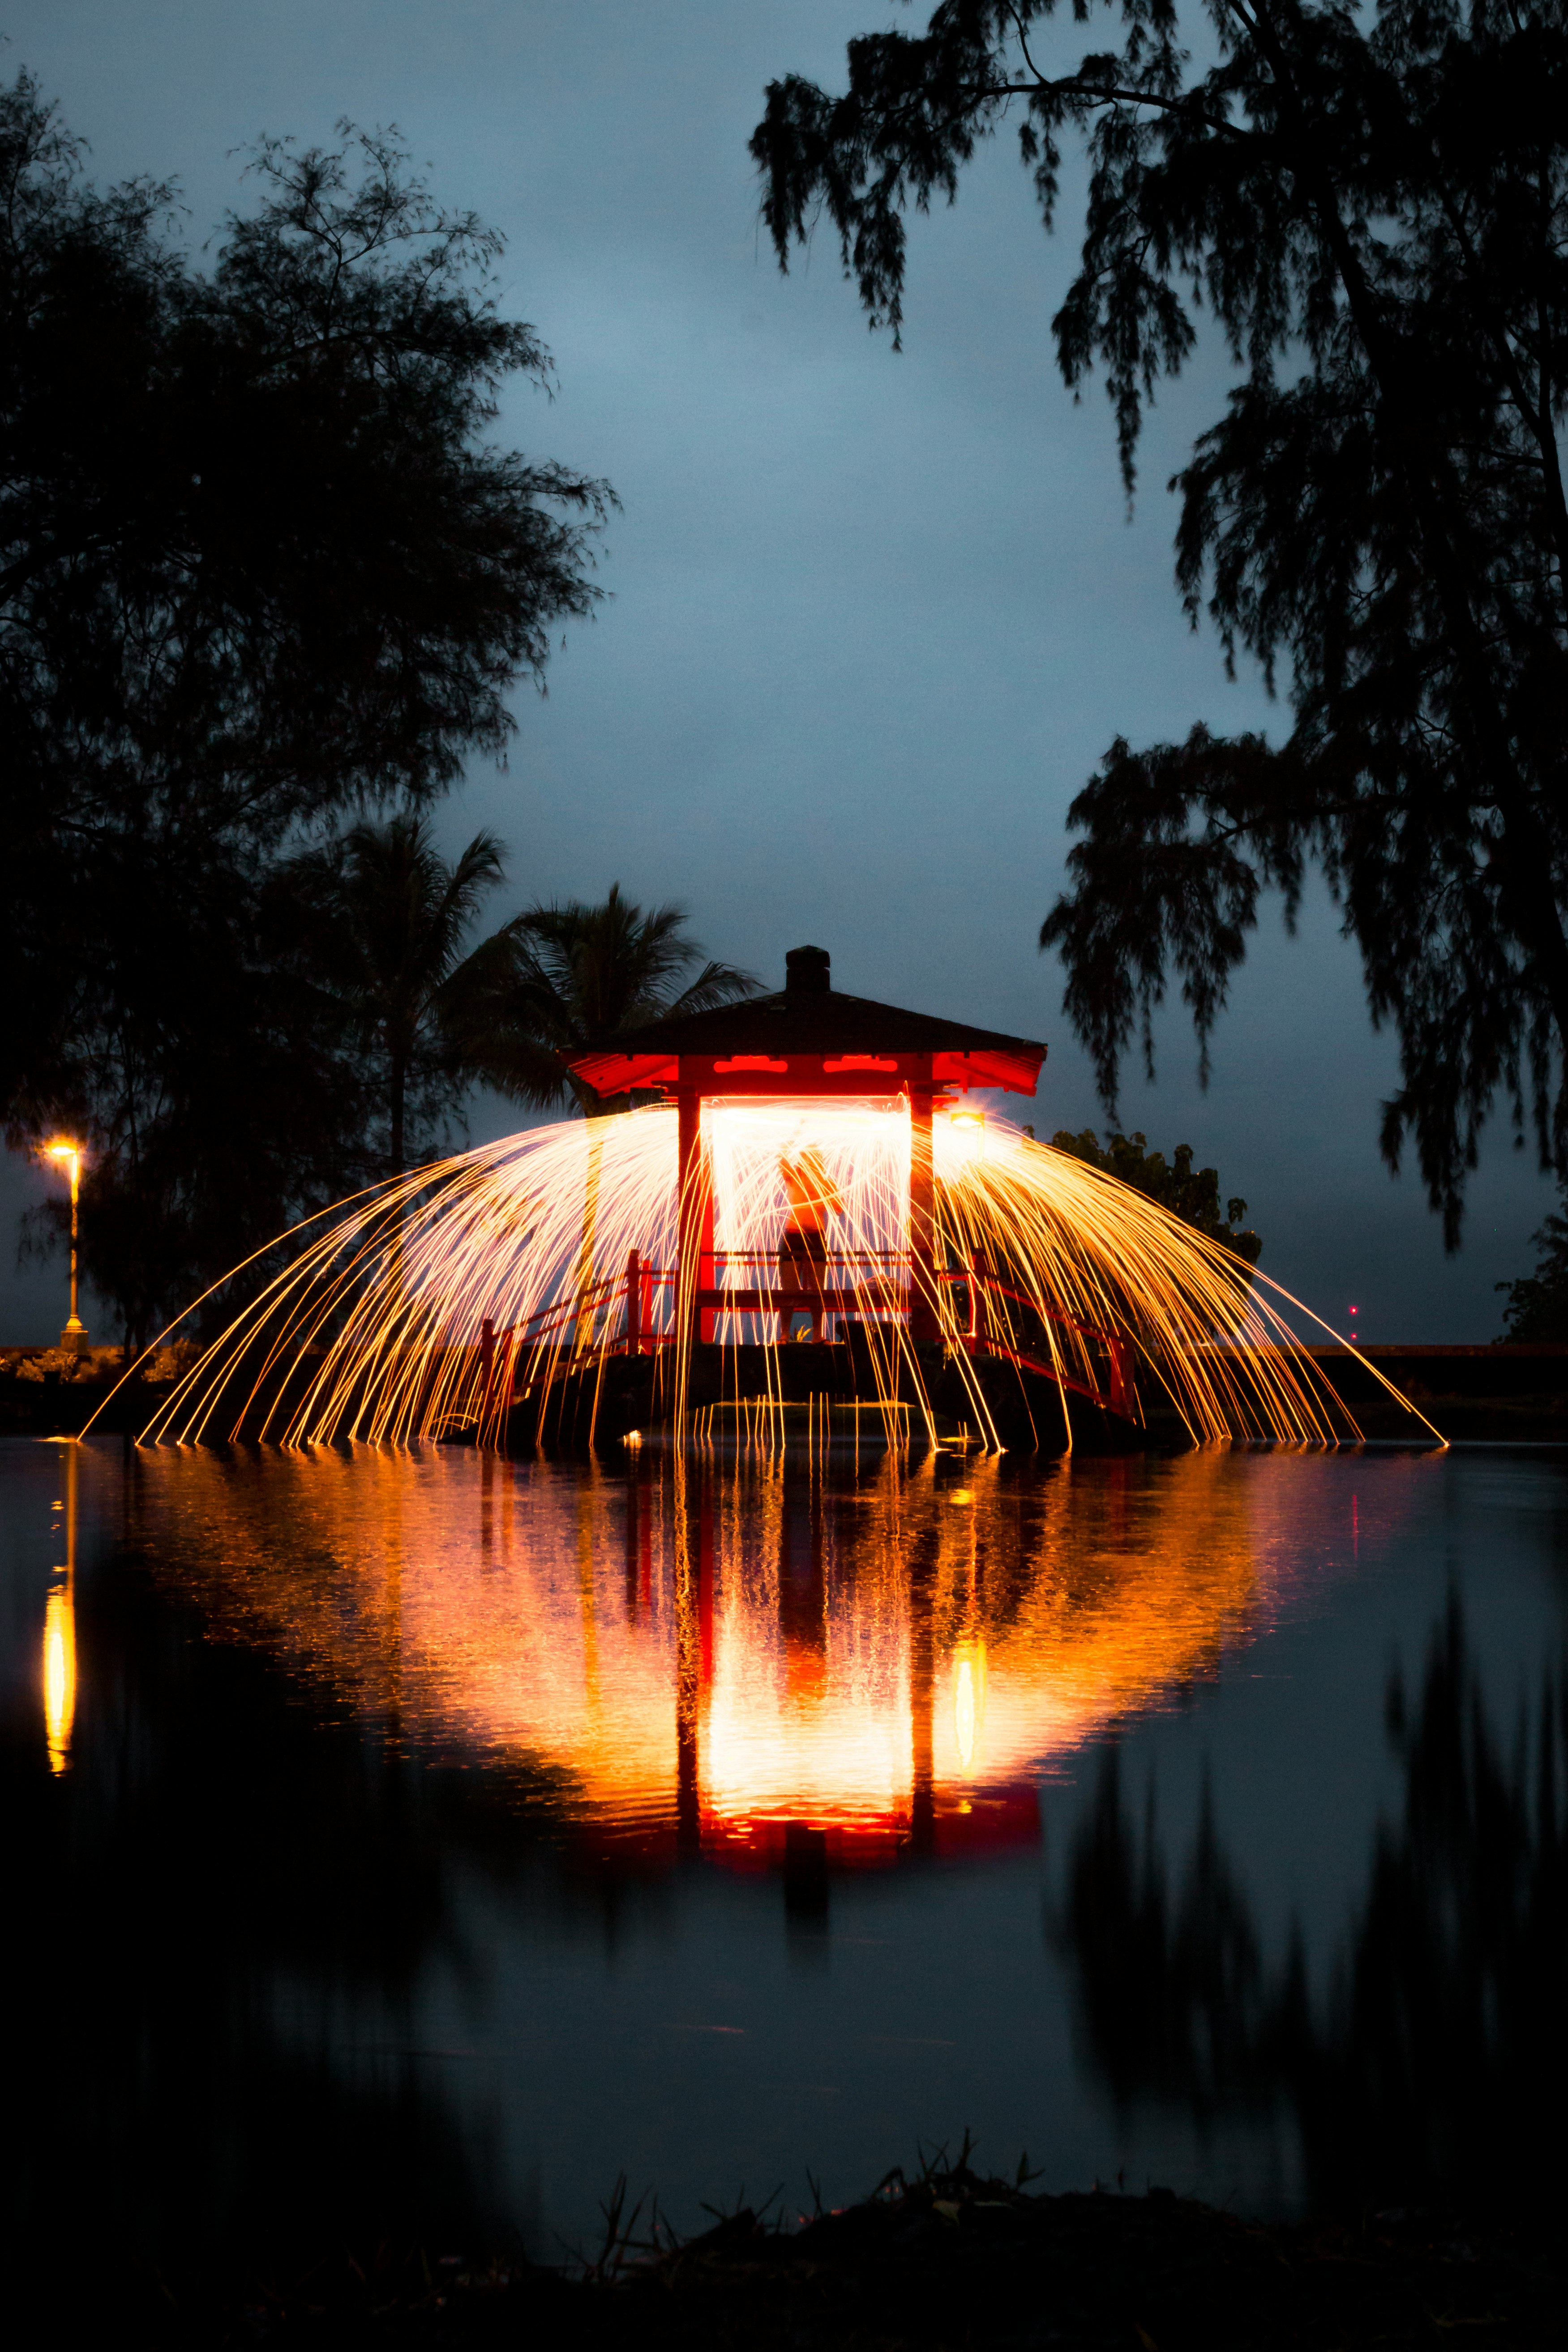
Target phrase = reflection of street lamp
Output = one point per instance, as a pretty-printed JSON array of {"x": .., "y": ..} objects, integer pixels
[
  {"x": 74, "y": 1336},
  {"x": 59, "y": 1633}
]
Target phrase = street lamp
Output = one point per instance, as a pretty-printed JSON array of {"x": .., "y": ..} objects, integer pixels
[{"x": 74, "y": 1336}]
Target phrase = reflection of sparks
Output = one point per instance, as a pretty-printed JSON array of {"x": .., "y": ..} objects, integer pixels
[
  {"x": 637, "y": 1620},
  {"x": 59, "y": 1675},
  {"x": 969, "y": 1702},
  {"x": 376, "y": 1328},
  {"x": 963, "y": 1713}
]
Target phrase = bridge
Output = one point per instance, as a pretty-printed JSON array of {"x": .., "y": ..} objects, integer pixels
[{"x": 636, "y": 1312}]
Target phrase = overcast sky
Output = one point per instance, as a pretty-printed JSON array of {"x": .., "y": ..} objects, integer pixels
[{"x": 873, "y": 616}]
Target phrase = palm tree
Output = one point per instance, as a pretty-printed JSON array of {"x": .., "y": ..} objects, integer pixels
[
  {"x": 400, "y": 915},
  {"x": 569, "y": 979}
]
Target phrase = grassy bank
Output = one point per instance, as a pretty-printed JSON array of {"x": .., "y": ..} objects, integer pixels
[{"x": 948, "y": 2259}]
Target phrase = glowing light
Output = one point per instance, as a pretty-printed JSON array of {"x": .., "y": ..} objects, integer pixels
[
  {"x": 966, "y": 1708},
  {"x": 377, "y": 1327},
  {"x": 69, "y": 1155},
  {"x": 59, "y": 1630},
  {"x": 965, "y": 1135},
  {"x": 687, "y": 1681},
  {"x": 961, "y": 1494},
  {"x": 59, "y": 1675}
]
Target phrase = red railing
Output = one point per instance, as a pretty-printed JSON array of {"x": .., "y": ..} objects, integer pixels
[
  {"x": 887, "y": 1301},
  {"x": 1118, "y": 1396}
]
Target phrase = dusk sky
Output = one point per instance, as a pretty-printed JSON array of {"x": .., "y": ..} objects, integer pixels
[{"x": 872, "y": 617}]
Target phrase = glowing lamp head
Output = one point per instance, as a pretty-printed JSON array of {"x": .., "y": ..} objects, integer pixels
[{"x": 967, "y": 1132}]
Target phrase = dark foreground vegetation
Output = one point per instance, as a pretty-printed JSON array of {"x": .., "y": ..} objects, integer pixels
[{"x": 945, "y": 2259}]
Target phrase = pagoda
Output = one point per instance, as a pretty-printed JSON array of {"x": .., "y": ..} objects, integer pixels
[{"x": 810, "y": 1040}]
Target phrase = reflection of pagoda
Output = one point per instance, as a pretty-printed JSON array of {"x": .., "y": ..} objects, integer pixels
[
  {"x": 762, "y": 1668},
  {"x": 822, "y": 1781}
]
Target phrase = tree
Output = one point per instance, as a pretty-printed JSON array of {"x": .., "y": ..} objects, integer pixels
[
  {"x": 398, "y": 917},
  {"x": 1191, "y": 1195},
  {"x": 230, "y": 1094},
  {"x": 569, "y": 979},
  {"x": 260, "y": 564},
  {"x": 1377, "y": 215},
  {"x": 1537, "y": 1306}
]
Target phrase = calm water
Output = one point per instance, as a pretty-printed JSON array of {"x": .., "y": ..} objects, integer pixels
[{"x": 425, "y": 1840}]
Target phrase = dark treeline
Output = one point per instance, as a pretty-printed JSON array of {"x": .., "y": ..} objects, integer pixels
[
  {"x": 1536, "y": 1309},
  {"x": 1434, "y": 2071},
  {"x": 1191, "y": 1193},
  {"x": 266, "y": 584}
]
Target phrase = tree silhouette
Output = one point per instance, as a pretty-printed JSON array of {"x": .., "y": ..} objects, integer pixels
[
  {"x": 1537, "y": 1307},
  {"x": 261, "y": 564},
  {"x": 398, "y": 917},
  {"x": 570, "y": 979},
  {"x": 1373, "y": 210},
  {"x": 1190, "y": 1194}
]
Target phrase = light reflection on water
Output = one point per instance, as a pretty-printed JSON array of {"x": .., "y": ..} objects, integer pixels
[
  {"x": 60, "y": 1615},
  {"x": 698, "y": 1659},
  {"x": 438, "y": 1836}
]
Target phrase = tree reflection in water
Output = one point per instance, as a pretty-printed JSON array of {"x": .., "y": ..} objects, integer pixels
[
  {"x": 1435, "y": 2068},
  {"x": 216, "y": 1837}
]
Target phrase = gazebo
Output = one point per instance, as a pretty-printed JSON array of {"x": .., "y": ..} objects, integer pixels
[{"x": 808, "y": 1040}]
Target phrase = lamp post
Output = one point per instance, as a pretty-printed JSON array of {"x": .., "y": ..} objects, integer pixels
[{"x": 74, "y": 1336}]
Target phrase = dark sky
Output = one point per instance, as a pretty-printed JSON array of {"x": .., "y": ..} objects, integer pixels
[{"x": 874, "y": 616}]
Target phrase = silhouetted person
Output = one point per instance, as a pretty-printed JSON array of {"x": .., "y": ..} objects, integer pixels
[{"x": 802, "y": 1247}]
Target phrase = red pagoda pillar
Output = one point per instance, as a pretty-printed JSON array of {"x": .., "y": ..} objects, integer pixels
[
  {"x": 694, "y": 1258},
  {"x": 924, "y": 1320}
]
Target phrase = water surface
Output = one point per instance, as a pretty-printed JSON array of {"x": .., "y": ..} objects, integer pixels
[{"x": 425, "y": 1840}]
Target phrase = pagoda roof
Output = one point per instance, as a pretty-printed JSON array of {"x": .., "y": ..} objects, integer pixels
[{"x": 809, "y": 1024}]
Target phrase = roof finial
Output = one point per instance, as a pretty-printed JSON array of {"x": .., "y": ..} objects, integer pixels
[{"x": 806, "y": 971}]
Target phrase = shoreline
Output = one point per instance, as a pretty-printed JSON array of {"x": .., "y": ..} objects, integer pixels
[
  {"x": 1485, "y": 1394},
  {"x": 944, "y": 2259}
]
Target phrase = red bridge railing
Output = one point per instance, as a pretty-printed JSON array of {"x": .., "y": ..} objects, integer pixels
[{"x": 876, "y": 1290}]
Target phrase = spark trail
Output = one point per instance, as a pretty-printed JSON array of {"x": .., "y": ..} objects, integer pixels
[{"x": 426, "y": 1306}]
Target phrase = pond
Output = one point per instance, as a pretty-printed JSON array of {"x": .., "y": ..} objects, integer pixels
[{"x": 426, "y": 1840}]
